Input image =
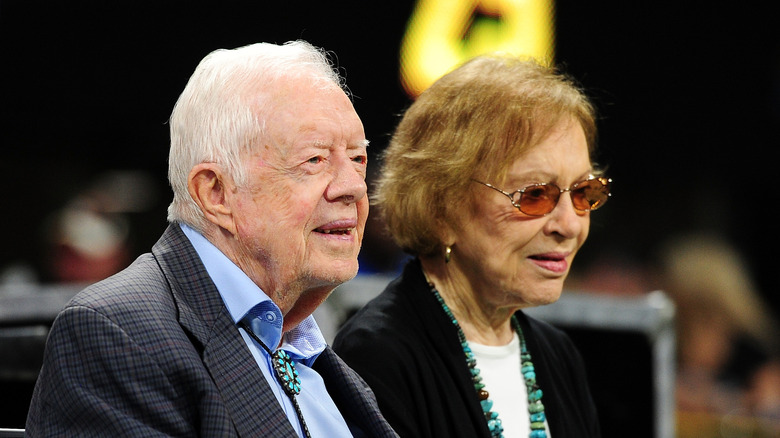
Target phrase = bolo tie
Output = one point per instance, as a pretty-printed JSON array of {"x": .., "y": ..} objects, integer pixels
[{"x": 286, "y": 374}]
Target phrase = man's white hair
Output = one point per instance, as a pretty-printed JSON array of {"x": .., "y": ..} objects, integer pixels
[{"x": 217, "y": 118}]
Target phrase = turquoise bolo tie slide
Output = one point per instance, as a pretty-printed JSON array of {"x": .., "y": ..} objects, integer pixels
[{"x": 286, "y": 372}]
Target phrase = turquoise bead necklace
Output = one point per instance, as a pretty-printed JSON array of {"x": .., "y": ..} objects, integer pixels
[{"x": 535, "y": 406}]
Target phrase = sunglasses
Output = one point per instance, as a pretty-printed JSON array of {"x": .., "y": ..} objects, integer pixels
[{"x": 541, "y": 199}]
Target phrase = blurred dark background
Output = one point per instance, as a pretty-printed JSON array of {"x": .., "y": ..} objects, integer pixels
[{"x": 688, "y": 94}]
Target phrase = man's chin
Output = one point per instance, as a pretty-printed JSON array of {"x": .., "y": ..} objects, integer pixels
[
  {"x": 336, "y": 272},
  {"x": 344, "y": 273}
]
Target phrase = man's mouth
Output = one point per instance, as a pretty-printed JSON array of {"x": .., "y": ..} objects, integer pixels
[
  {"x": 340, "y": 231},
  {"x": 339, "y": 227}
]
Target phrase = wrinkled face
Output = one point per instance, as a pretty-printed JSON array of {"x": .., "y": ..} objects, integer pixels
[
  {"x": 515, "y": 260},
  {"x": 300, "y": 219}
]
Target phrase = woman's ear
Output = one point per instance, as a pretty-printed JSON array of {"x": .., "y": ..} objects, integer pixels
[
  {"x": 446, "y": 230},
  {"x": 210, "y": 189}
]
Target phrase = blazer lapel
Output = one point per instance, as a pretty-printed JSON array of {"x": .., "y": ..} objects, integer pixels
[
  {"x": 352, "y": 396},
  {"x": 202, "y": 313}
]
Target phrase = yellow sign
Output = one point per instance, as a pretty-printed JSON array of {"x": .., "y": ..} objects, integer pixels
[{"x": 443, "y": 34}]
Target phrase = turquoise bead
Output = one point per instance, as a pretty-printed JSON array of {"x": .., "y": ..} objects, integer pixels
[
  {"x": 495, "y": 426},
  {"x": 535, "y": 407}
]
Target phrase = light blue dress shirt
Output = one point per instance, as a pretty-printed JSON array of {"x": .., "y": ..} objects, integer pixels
[{"x": 303, "y": 343}]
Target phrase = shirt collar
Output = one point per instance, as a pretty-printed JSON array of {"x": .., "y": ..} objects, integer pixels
[{"x": 241, "y": 295}]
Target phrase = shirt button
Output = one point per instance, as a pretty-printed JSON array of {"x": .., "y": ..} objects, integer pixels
[{"x": 269, "y": 316}]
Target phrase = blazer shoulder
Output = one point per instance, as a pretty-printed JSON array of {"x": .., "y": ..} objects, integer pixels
[{"x": 139, "y": 293}]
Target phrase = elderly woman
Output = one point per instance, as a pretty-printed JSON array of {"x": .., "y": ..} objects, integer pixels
[{"x": 489, "y": 182}]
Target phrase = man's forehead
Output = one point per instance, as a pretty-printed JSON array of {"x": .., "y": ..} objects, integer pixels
[
  {"x": 283, "y": 150},
  {"x": 358, "y": 144},
  {"x": 318, "y": 133},
  {"x": 326, "y": 145}
]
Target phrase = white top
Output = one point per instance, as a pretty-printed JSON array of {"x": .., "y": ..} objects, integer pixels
[{"x": 500, "y": 370}]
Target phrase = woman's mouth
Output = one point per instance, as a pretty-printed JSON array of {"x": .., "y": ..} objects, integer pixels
[{"x": 553, "y": 262}]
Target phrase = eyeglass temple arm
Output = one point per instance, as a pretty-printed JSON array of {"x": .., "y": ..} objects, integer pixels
[{"x": 508, "y": 195}]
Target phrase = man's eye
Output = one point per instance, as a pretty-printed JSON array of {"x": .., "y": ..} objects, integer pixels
[
  {"x": 360, "y": 159},
  {"x": 314, "y": 160}
]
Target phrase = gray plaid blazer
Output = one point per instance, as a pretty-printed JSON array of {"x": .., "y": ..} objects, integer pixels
[{"x": 152, "y": 351}]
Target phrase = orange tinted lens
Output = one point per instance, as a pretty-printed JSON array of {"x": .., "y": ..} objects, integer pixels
[
  {"x": 539, "y": 200},
  {"x": 590, "y": 194}
]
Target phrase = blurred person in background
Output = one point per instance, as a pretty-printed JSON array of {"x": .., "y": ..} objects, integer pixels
[
  {"x": 91, "y": 236},
  {"x": 728, "y": 340},
  {"x": 84, "y": 245}
]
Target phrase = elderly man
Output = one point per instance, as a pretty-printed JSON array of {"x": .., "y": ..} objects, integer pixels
[{"x": 211, "y": 334}]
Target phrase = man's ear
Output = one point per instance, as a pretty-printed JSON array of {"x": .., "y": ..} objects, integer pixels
[{"x": 210, "y": 189}]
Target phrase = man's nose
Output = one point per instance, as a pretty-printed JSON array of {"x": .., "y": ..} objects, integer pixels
[{"x": 349, "y": 183}]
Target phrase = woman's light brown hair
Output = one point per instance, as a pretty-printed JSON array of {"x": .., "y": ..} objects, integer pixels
[{"x": 473, "y": 122}]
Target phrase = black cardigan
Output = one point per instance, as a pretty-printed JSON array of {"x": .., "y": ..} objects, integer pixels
[{"x": 407, "y": 350}]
